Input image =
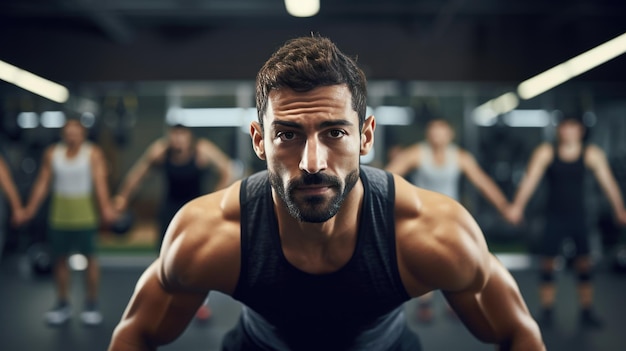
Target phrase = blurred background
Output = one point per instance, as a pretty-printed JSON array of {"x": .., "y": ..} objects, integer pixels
[{"x": 131, "y": 67}]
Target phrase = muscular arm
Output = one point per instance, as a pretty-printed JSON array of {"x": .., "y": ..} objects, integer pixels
[
  {"x": 9, "y": 188},
  {"x": 482, "y": 182},
  {"x": 101, "y": 187},
  {"x": 137, "y": 172},
  {"x": 42, "y": 184},
  {"x": 596, "y": 160},
  {"x": 209, "y": 153},
  {"x": 441, "y": 247},
  {"x": 193, "y": 261},
  {"x": 405, "y": 161},
  {"x": 155, "y": 315},
  {"x": 539, "y": 161},
  {"x": 497, "y": 313}
]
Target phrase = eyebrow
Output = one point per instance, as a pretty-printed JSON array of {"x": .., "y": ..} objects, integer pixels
[{"x": 325, "y": 124}]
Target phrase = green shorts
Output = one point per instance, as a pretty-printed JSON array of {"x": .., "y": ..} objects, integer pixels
[{"x": 66, "y": 241}]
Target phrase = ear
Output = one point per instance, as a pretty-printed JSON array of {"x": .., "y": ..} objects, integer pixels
[
  {"x": 256, "y": 132},
  {"x": 367, "y": 134}
]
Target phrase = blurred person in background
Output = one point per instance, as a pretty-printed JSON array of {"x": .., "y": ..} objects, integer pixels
[
  {"x": 7, "y": 185},
  {"x": 437, "y": 164},
  {"x": 184, "y": 161},
  {"x": 565, "y": 164},
  {"x": 73, "y": 169}
]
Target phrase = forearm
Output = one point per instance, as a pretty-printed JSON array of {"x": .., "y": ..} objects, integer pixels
[
  {"x": 525, "y": 191},
  {"x": 10, "y": 190},
  {"x": 120, "y": 341},
  {"x": 492, "y": 193},
  {"x": 12, "y": 195},
  {"x": 39, "y": 193},
  {"x": 527, "y": 338},
  {"x": 613, "y": 194}
]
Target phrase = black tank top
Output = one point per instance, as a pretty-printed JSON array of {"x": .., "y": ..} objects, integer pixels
[
  {"x": 358, "y": 307},
  {"x": 184, "y": 181},
  {"x": 566, "y": 187}
]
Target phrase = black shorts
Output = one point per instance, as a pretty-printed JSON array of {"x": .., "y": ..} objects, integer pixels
[{"x": 558, "y": 229}]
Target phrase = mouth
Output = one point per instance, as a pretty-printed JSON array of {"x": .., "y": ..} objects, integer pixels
[{"x": 317, "y": 189}]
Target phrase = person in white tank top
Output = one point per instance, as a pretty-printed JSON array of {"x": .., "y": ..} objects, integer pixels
[
  {"x": 438, "y": 164},
  {"x": 73, "y": 171}
]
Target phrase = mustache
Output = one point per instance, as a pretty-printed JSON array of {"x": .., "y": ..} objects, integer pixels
[{"x": 315, "y": 179}]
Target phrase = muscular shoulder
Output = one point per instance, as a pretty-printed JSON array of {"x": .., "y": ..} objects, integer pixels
[
  {"x": 201, "y": 248},
  {"x": 440, "y": 246}
]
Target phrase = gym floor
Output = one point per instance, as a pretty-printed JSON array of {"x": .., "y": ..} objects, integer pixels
[{"x": 25, "y": 296}]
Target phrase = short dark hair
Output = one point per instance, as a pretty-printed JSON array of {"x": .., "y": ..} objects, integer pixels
[{"x": 305, "y": 63}]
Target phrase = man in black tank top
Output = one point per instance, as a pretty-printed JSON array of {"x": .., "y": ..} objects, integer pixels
[
  {"x": 321, "y": 251},
  {"x": 565, "y": 165},
  {"x": 184, "y": 161}
]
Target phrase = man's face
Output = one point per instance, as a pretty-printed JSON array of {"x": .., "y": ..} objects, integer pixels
[
  {"x": 312, "y": 144},
  {"x": 439, "y": 133},
  {"x": 73, "y": 133},
  {"x": 179, "y": 139},
  {"x": 570, "y": 131}
]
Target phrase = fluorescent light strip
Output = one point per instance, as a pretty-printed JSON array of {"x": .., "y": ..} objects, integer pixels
[
  {"x": 572, "y": 68},
  {"x": 33, "y": 83},
  {"x": 487, "y": 113},
  {"x": 393, "y": 115},
  {"x": 53, "y": 119},
  {"x": 527, "y": 118},
  {"x": 241, "y": 117},
  {"x": 27, "y": 120},
  {"x": 210, "y": 117}
]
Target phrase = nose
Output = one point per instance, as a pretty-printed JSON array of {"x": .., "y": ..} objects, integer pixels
[{"x": 314, "y": 157}]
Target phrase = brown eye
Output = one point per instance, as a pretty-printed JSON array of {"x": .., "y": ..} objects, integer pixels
[
  {"x": 286, "y": 135},
  {"x": 336, "y": 133}
]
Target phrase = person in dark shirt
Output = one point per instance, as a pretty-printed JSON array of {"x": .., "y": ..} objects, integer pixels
[
  {"x": 321, "y": 251},
  {"x": 184, "y": 161},
  {"x": 564, "y": 165}
]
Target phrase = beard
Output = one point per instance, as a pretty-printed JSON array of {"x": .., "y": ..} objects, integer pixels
[{"x": 314, "y": 208}]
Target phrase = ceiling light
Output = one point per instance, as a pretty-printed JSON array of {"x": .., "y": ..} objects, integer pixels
[
  {"x": 572, "y": 68},
  {"x": 33, "y": 83},
  {"x": 302, "y": 8},
  {"x": 487, "y": 113}
]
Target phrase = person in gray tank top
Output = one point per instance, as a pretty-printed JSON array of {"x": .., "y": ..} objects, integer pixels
[
  {"x": 321, "y": 251},
  {"x": 437, "y": 164}
]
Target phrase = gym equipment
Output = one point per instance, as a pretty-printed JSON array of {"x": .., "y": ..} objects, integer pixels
[
  {"x": 124, "y": 223},
  {"x": 40, "y": 258}
]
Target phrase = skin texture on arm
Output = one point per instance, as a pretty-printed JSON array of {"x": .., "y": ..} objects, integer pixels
[
  {"x": 101, "y": 188},
  {"x": 9, "y": 188},
  {"x": 154, "y": 153},
  {"x": 539, "y": 162},
  {"x": 482, "y": 181},
  {"x": 200, "y": 253},
  {"x": 41, "y": 186},
  {"x": 210, "y": 154},
  {"x": 595, "y": 159},
  {"x": 440, "y": 247},
  {"x": 405, "y": 161}
]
